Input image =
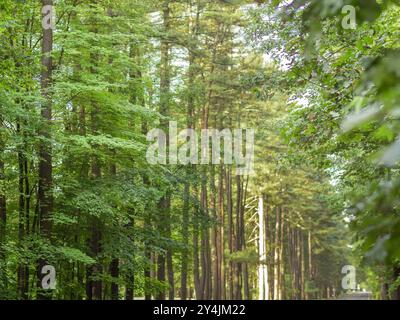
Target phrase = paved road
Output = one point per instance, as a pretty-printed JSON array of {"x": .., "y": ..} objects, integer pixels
[{"x": 356, "y": 296}]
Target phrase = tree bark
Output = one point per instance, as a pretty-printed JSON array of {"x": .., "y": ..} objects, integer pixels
[
  {"x": 114, "y": 273},
  {"x": 185, "y": 238},
  {"x": 170, "y": 270},
  {"x": 230, "y": 230},
  {"x": 95, "y": 287},
  {"x": 22, "y": 276},
  {"x": 221, "y": 238},
  {"x": 3, "y": 211},
  {"x": 196, "y": 261},
  {"x": 263, "y": 285},
  {"x": 216, "y": 278},
  {"x": 281, "y": 257},
  {"x": 147, "y": 253},
  {"x": 3, "y": 220},
  {"x": 45, "y": 184},
  {"x": 276, "y": 255},
  {"x": 164, "y": 221}
]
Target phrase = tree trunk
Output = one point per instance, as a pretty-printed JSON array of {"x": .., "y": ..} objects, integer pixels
[
  {"x": 238, "y": 242},
  {"x": 396, "y": 275},
  {"x": 22, "y": 276},
  {"x": 148, "y": 263},
  {"x": 385, "y": 291},
  {"x": 186, "y": 193},
  {"x": 3, "y": 223},
  {"x": 185, "y": 238},
  {"x": 170, "y": 270},
  {"x": 196, "y": 261},
  {"x": 147, "y": 254},
  {"x": 302, "y": 267},
  {"x": 276, "y": 255},
  {"x": 114, "y": 273},
  {"x": 164, "y": 221},
  {"x": 281, "y": 257},
  {"x": 161, "y": 256},
  {"x": 95, "y": 287},
  {"x": 269, "y": 241},
  {"x": 114, "y": 265},
  {"x": 245, "y": 274},
  {"x": 216, "y": 277},
  {"x": 230, "y": 230},
  {"x": 205, "y": 242},
  {"x": 221, "y": 238},
  {"x": 310, "y": 263},
  {"x": 3, "y": 211},
  {"x": 263, "y": 285},
  {"x": 45, "y": 184}
]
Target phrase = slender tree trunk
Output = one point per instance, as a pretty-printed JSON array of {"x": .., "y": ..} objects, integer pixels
[
  {"x": 205, "y": 241},
  {"x": 164, "y": 221},
  {"x": 129, "y": 293},
  {"x": 147, "y": 222},
  {"x": 291, "y": 259},
  {"x": 186, "y": 192},
  {"x": 205, "y": 281},
  {"x": 21, "y": 275},
  {"x": 148, "y": 265},
  {"x": 161, "y": 256},
  {"x": 302, "y": 267},
  {"x": 276, "y": 255},
  {"x": 281, "y": 256},
  {"x": 185, "y": 238},
  {"x": 170, "y": 270},
  {"x": 238, "y": 242},
  {"x": 191, "y": 124},
  {"x": 3, "y": 211},
  {"x": 114, "y": 273},
  {"x": 221, "y": 238},
  {"x": 196, "y": 262},
  {"x": 114, "y": 265},
  {"x": 95, "y": 287},
  {"x": 263, "y": 288},
  {"x": 147, "y": 252},
  {"x": 269, "y": 241},
  {"x": 196, "y": 250},
  {"x": 245, "y": 274},
  {"x": 3, "y": 222},
  {"x": 214, "y": 236},
  {"x": 153, "y": 265},
  {"x": 298, "y": 265},
  {"x": 310, "y": 263},
  {"x": 230, "y": 230},
  {"x": 45, "y": 185}
]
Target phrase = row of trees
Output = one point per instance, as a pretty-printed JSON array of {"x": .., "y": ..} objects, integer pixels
[
  {"x": 77, "y": 193},
  {"x": 345, "y": 121}
]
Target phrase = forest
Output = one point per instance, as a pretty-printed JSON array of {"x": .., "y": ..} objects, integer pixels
[{"x": 199, "y": 149}]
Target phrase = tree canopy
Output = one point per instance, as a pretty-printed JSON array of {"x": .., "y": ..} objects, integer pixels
[{"x": 83, "y": 83}]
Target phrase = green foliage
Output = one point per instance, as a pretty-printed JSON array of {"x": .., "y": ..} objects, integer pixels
[
  {"x": 345, "y": 111},
  {"x": 119, "y": 70}
]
